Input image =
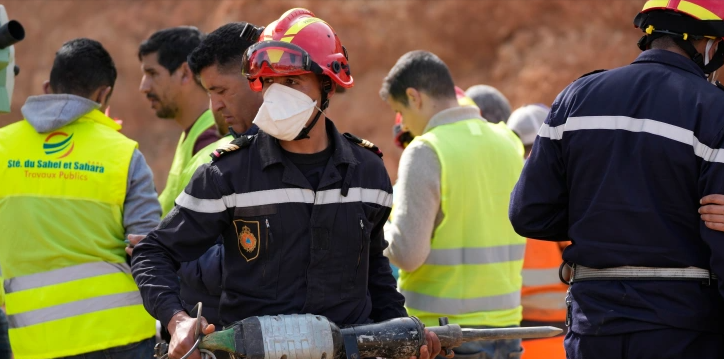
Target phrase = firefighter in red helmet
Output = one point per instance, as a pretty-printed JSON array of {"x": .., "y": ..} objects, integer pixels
[{"x": 300, "y": 206}]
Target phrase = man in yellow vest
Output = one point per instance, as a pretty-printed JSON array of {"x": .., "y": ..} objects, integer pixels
[
  {"x": 176, "y": 94},
  {"x": 450, "y": 236},
  {"x": 73, "y": 188}
]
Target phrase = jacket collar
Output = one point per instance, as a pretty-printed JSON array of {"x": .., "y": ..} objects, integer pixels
[
  {"x": 671, "y": 59},
  {"x": 271, "y": 152}
]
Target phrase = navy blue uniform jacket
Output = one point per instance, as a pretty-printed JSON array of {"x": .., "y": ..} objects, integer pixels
[
  {"x": 287, "y": 248},
  {"x": 619, "y": 168}
]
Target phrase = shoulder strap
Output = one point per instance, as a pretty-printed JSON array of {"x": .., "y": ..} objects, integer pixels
[
  {"x": 593, "y": 73},
  {"x": 363, "y": 143},
  {"x": 237, "y": 143}
]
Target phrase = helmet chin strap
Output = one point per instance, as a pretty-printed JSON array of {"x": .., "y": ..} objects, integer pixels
[
  {"x": 709, "y": 66},
  {"x": 707, "y": 61},
  {"x": 326, "y": 88}
]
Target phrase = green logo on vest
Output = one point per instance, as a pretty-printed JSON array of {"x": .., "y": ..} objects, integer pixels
[{"x": 59, "y": 143}]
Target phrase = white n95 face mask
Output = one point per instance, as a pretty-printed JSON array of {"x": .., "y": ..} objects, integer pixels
[
  {"x": 284, "y": 112},
  {"x": 712, "y": 76}
]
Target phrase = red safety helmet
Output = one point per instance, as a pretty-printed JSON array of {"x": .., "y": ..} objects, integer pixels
[
  {"x": 298, "y": 43},
  {"x": 684, "y": 20}
]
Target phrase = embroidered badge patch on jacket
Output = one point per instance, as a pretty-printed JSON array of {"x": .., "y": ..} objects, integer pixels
[{"x": 247, "y": 234}]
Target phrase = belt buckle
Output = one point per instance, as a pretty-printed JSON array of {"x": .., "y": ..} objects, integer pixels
[
  {"x": 571, "y": 273},
  {"x": 707, "y": 281}
]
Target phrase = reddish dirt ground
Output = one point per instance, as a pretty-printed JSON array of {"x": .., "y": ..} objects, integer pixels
[{"x": 529, "y": 49}]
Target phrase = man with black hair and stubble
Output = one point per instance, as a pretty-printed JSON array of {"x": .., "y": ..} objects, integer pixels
[
  {"x": 216, "y": 64},
  {"x": 72, "y": 188},
  {"x": 176, "y": 94}
]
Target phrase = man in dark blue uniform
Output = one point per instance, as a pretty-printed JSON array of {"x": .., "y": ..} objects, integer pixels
[
  {"x": 618, "y": 168},
  {"x": 301, "y": 207}
]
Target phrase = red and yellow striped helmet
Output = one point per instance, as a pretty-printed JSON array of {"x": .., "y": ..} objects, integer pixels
[
  {"x": 688, "y": 18},
  {"x": 698, "y": 9}
]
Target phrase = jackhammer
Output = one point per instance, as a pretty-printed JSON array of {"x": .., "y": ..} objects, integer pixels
[{"x": 308, "y": 336}]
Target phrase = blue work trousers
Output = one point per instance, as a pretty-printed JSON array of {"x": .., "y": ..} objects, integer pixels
[{"x": 652, "y": 344}]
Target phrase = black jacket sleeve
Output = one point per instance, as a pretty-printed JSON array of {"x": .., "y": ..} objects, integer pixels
[
  {"x": 192, "y": 227},
  {"x": 387, "y": 302},
  {"x": 539, "y": 202}
]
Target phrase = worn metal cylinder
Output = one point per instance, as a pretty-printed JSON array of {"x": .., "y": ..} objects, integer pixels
[{"x": 395, "y": 338}]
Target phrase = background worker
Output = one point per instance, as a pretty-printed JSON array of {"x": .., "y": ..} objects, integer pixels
[
  {"x": 216, "y": 62},
  {"x": 288, "y": 246},
  {"x": 175, "y": 93},
  {"x": 543, "y": 294},
  {"x": 75, "y": 188},
  {"x": 402, "y": 137},
  {"x": 618, "y": 169},
  {"x": 449, "y": 235},
  {"x": 494, "y": 106}
]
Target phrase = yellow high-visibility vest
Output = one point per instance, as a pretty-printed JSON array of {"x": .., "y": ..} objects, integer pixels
[
  {"x": 472, "y": 274},
  {"x": 201, "y": 157},
  {"x": 68, "y": 288},
  {"x": 181, "y": 159}
]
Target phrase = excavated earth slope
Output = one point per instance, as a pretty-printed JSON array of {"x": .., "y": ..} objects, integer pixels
[{"x": 528, "y": 49}]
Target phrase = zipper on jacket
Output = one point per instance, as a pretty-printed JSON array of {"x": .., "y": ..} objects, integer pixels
[
  {"x": 266, "y": 251},
  {"x": 361, "y": 244}
]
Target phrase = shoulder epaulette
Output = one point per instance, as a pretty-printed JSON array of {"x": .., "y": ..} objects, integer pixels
[
  {"x": 237, "y": 143},
  {"x": 363, "y": 143},
  {"x": 593, "y": 73},
  {"x": 719, "y": 85}
]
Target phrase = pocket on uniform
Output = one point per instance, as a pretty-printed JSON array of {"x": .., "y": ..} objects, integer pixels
[
  {"x": 255, "y": 229},
  {"x": 356, "y": 283}
]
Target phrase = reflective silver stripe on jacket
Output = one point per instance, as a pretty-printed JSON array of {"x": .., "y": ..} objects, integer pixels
[
  {"x": 81, "y": 271},
  {"x": 486, "y": 255},
  {"x": 631, "y": 124},
  {"x": 539, "y": 277},
  {"x": 581, "y": 273},
  {"x": 356, "y": 194},
  {"x": 455, "y": 306},
  {"x": 284, "y": 195},
  {"x": 73, "y": 309}
]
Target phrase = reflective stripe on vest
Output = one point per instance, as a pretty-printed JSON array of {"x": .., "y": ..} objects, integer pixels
[
  {"x": 37, "y": 284},
  {"x": 539, "y": 277},
  {"x": 181, "y": 158},
  {"x": 472, "y": 274},
  {"x": 68, "y": 288},
  {"x": 452, "y": 257},
  {"x": 547, "y": 306}
]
